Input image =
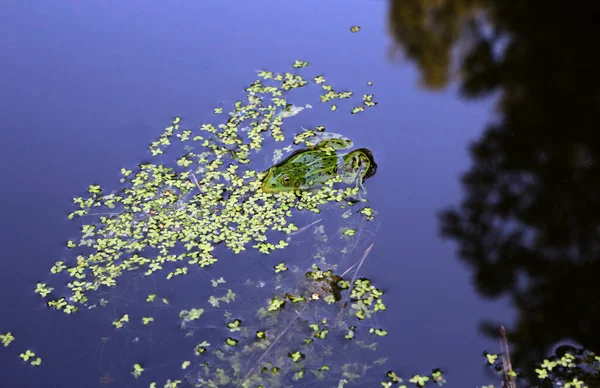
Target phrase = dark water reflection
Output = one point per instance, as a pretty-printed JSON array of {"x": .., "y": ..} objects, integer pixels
[{"x": 528, "y": 225}]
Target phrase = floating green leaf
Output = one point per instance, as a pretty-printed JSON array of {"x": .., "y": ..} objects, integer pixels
[
  {"x": 137, "y": 370},
  {"x": 36, "y": 362},
  {"x": 7, "y": 339},
  {"x": 235, "y": 325},
  {"x": 27, "y": 355},
  {"x": 231, "y": 341},
  {"x": 280, "y": 267},
  {"x": 300, "y": 64}
]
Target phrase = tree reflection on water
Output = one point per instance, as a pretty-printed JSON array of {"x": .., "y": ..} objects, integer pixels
[{"x": 529, "y": 222}]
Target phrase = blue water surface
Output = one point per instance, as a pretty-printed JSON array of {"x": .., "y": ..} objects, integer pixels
[{"x": 87, "y": 85}]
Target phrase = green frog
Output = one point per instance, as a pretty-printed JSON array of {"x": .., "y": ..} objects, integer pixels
[{"x": 308, "y": 168}]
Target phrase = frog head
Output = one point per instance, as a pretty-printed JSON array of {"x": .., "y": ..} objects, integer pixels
[{"x": 280, "y": 178}]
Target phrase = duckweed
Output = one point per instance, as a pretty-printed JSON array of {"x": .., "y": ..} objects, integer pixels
[{"x": 198, "y": 205}]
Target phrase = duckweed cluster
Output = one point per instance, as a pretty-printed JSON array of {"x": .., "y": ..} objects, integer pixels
[
  {"x": 208, "y": 199},
  {"x": 201, "y": 203},
  {"x": 313, "y": 322},
  {"x": 578, "y": 369}
]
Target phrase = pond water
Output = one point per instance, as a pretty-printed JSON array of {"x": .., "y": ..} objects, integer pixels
[{"x": 88, "y": 86}]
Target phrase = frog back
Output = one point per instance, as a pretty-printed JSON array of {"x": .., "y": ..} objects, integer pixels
[{"x": 301, "y": 170}]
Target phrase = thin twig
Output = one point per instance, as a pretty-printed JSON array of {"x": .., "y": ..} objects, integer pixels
[
  {"x": 349, "y": 269},
  {"x": 302, "y": 229},
  {"x": 367, "y": 251},
  {"x": 508, "y": 380},
  {"x": 196, "y": 182},
  {"x": 98, "y": 214}
]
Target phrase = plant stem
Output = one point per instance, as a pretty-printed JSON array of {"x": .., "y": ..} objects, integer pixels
[{"x": 508, "y": 380}]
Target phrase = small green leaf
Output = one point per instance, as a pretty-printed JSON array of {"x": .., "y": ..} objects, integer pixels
[
  {"x": 419, "y": 380},
  {"x": 231, "y": 341},
  {"x": 299, "y": 64},
  {"x": 235, "y": 325},
  {"x": 7, "y": 338},
  {"x": 357, "y": 109},
  {"x": 379, "y": 332},
  {"x": 296, "y": 356},
  {"x": 280, "y": 268},
  {"x": 27, "y": 355},
  {"x": 137, "y": 370},
  {"x": 94, "y": 189},
  {"x": 491, "y": 358}
]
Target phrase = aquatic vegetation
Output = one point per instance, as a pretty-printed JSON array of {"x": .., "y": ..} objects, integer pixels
[
  {"x": 244, "y": 254},
  {"x": 28, "y": 356},
  {"x": 171, "y": 257},
  {"x": 160, "y": 211},
  {"x": 7, "y": 339},
  {"x": 569, "y": 367},
  {"x": 577, "y": 369},
  {"x": 201, "y": 205}
]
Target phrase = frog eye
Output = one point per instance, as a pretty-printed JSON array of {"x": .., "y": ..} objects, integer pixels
[{"x": 285, "y": 180}]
